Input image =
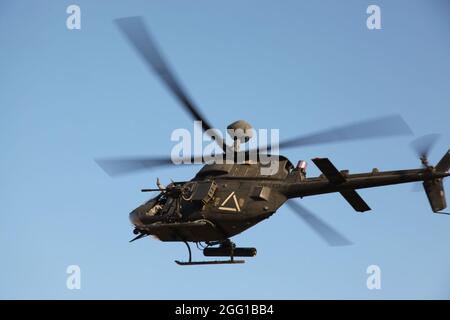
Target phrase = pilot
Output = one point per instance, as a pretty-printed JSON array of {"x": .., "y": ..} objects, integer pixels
[{"x": 155, "y": 210}]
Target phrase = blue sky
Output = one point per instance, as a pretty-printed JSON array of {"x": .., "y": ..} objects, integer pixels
[{"x": 68, "y": 97}]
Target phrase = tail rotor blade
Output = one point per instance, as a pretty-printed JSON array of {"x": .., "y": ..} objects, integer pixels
[
  {"x": 423, "y": 145},
  {"x": 417, "y": 187},
  {"x": 325, "y": 231}
]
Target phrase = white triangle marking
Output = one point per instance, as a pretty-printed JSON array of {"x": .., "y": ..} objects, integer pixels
[{"x": 236, "y": 204}]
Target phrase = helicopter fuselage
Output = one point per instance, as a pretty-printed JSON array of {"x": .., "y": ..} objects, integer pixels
[
  {"x": 223, "y": 200},
  {"x": 220, "y": 202}
]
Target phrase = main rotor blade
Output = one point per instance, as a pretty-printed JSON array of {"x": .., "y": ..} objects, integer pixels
[
  {"x": 139, "y": 37},
  {"x": 387, "y": 126},
  {"x": 121, "y": 166},
  {"x": 325, "y": 231},
  {"x": 423, "y": 145}
]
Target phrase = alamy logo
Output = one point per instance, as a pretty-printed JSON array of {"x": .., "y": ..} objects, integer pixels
[
  {"x": 374, "y": 20},
  {"x": 73, "y": 21},
  {"x": 207, "y": 147},
  {"x": 374, "y": 278},
  {"x": 74, "y": 279}
]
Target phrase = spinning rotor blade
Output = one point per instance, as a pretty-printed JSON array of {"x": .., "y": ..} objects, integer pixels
[
  {"x": 386, "y": 126},
  {"x": 139, "y": 37},
  {"x": 325, "y": 231},
  {"x": 423, "y": 145},
  {"x": 121, "y": 166}
]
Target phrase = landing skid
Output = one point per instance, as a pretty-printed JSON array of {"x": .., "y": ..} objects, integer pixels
[{"x": 192, "y": 263}]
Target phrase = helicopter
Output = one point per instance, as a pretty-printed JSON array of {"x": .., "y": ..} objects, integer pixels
[{"x": 225, "y": 198}]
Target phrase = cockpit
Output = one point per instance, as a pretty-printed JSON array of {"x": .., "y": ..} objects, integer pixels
[
  {"x": 175, "y": 202},
  {"x": 154, "y": 207}
]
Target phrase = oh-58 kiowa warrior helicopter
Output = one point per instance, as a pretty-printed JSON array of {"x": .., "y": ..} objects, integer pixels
[{"x": 224, "y": 199}]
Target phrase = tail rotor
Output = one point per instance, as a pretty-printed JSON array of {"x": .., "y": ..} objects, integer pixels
[
  {"x": 423, "y": 145},
  {"x": 434, "y": 188}
]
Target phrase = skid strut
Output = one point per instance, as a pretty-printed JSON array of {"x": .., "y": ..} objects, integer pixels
[{"x": 190, "y": 262}]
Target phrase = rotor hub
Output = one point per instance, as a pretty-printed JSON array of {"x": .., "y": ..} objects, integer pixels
[{"x": 241, "y": 132}]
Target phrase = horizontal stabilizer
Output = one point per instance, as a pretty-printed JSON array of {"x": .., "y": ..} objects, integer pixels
[
  {"x": 329, "y": 170},
  {"x": 335, "y": 176},
  {"x": 355, "y": 200}
]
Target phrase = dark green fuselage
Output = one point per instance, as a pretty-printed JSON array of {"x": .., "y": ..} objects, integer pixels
[{"x": 226, "y": 199}]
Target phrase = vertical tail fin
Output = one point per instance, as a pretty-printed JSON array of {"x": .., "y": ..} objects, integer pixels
[
  {"x": 435, "y": 188},
  {"x": 444, "y": 164}
]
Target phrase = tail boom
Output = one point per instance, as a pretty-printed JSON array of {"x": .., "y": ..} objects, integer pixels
[
  {"x": 321, "y": 185},
  {"x": 333, "y": 180}
]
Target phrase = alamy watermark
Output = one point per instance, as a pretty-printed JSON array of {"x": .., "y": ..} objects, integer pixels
[
  {"x": 73, "y": 281},
  {"x": 73, "y": 21},
  {"x": 373, "y": 22},
  {"x": 373, "y": 281},
  {"x": 241, "y": 146}
]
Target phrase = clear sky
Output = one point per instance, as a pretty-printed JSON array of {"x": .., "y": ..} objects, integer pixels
[{"x": 68, "y": 97}]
